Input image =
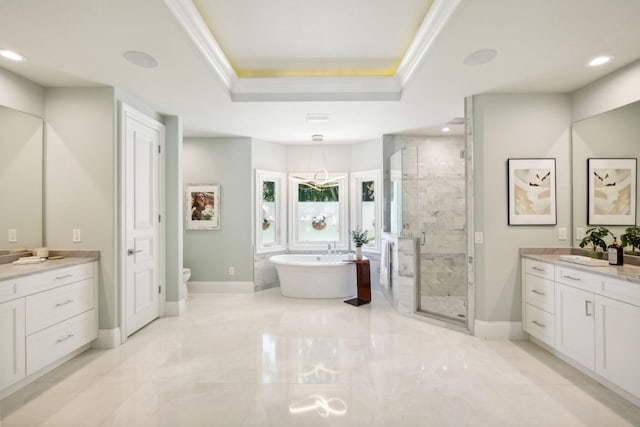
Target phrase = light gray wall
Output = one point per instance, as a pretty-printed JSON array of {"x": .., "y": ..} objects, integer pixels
[
  {"x": 268, "y": 156},
  {"x": 209, "y": 254},
  {"x": 366, "y": 155},
  {"x": 21, "y": 94},
  {"x": 80, "y": 178},
  {"x": 174, "y": 203},
  {"x": 304, "y": 158},
  {"x": 514, "y": 126}
]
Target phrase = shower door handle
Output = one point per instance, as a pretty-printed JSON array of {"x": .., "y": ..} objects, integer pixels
[{"x": 423, "y": 238}]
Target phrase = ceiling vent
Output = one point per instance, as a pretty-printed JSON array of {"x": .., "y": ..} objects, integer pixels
[
  {"x": 318, "y": 118},
  {"x": 317, "y": 138}
]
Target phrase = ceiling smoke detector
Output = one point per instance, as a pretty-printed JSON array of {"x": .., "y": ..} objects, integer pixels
[{"x": 317, "y": 138}]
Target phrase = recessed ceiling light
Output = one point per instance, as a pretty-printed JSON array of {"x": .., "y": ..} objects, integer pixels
[
  {"x": 141, "y": 59},
  {"x": 480, "y": 57},
  {"x": 445, "y": 129},
  {"x": 318, "y": 118},
  {"x": 9, "y": 54},
  {"x": 317, "y": 138},
  {"x": 599, "y": 60}
]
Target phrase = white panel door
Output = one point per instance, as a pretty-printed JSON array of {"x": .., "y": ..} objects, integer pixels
[
  {"x": 142, "y": 139},
  {"x": 617, "y": 344},
  {"x": 12, "y": 342},
  {"x": 575, "y": 324}
]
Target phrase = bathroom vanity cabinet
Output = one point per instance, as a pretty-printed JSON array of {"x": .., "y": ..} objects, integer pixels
[
  {"x": 588, "y": 316},
  {"x": 48, "y": 313}
]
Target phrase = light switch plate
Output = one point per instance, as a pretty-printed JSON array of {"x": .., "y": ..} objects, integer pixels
[
  {"x": 478, "y": 237},
  {"x": 76, "y": 236},
  {"x": 13, "y": 235},
  {"x": 562, "y": 233}
]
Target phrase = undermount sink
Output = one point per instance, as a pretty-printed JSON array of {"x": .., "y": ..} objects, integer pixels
[{"x": 584, "y": 260}]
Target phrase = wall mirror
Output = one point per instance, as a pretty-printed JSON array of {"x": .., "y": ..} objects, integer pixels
[
  {"x": 21, "y": 182},
  {"x": 271, "y": 207},
  {"x": 318, "y": 211},
  {"x": 395, "y": 194},
  {"x": 366, "y": 206},
  {"x": 612, "y": 134}
]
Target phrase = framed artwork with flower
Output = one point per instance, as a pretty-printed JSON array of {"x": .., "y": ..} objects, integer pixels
[
  {"x": 202, "y": 206},
  {"x": 532, "y": 191},
  {"x": 611, "y": 194}
]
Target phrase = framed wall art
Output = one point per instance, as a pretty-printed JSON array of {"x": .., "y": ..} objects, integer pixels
[
  {"x": 611, "y": 194},
  {"x": 202, "y": 209},
  {"x": 532, "y": 191}
]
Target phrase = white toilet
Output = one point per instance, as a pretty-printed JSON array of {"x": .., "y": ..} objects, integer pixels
[{"x": 186, "y": 274}]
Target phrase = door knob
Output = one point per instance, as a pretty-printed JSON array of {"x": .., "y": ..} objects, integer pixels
[{"x": 132, "y": 252}]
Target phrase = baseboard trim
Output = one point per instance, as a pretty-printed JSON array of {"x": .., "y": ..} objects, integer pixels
[
  {"x": 499, "y": 330},
  {"x": 220, "y": 287},
  {"x": 175, "y": 308},
  {"x": 108, "y": 338}
]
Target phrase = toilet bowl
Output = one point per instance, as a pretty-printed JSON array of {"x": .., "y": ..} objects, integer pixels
[{"x": 186, "y": 274}]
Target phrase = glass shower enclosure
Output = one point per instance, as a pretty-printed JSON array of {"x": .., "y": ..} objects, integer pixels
[{"x": 434, "y": 210}]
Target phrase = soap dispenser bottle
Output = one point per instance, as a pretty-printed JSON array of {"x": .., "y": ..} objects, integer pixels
[{"x": 615, "y": 254}]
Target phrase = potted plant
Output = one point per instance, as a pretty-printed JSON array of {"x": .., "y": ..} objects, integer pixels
[
  {"x": 595, "y": 236},
  {"x": 631, "y": 237},
  {"x": 360, "y": 238}
]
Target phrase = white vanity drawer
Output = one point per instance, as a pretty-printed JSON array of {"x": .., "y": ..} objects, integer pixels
[
  {"x": 10, "y": 289},
  {"x": 59, "y": 277},
  {"x": 50, "y": 307},
  {"x": 621, "y": 290},
  {"x": 540, "y": 324},
  {"x": 49, "y": 345},
  {"x": 576, "y": 278},
  {"x": 539, "y": 268},
  {"x": 540, "y": 293}
]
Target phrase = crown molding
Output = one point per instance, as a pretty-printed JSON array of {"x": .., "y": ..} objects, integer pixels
[
  {"x": 316, "y": 89},
  {"x": 200, "y": 34},
  {"x": 312, "y": 88},
  {"x": 438, "y": 15}
]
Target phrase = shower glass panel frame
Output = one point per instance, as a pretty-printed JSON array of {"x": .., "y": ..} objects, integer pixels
[{"x": 435, "y": 211}]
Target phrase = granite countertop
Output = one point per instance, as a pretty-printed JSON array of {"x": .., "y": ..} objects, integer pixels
[
  {"x": 10, "y": 271},
  {"x": 628, "y": 272}
]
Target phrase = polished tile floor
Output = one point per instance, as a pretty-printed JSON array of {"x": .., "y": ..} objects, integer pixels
[{"x": 261, "y": 359}]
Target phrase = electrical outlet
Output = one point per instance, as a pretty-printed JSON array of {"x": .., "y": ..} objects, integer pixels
[
  {"x": 579, "y": 233},
  {"x": 13, "y": 235},
  {"x": 562, "y": 233},
  {"x": 76, "y": 236},
  {"x": 232, "y": 271}
]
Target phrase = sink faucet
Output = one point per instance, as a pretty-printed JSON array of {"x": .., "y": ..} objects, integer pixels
[{"x": 329, "y": 249}]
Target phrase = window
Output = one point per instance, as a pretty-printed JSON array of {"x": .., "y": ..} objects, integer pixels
[
  {"x": 318, "y": 212},
  {"x": 366, "y": 206},
  {"x": 270, "y": 211}
]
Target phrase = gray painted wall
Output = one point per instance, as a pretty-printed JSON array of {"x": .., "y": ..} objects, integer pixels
[
  {"x": 209, "y": 254},
  {"x": 174, "y": 220},
  {"x": 80, "y": 181},
  {"x": 514, "y": 126}
]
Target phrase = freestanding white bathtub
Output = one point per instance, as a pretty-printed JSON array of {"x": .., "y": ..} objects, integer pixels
[{"x": 315, "y": 276}]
